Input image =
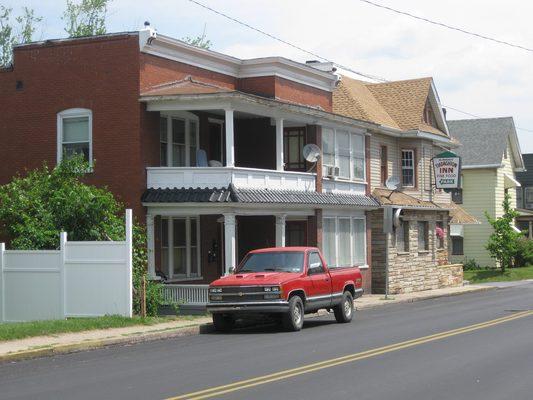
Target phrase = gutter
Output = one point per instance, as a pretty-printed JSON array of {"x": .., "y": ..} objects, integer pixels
[
  {"x": 482, "y": 166},
  {"x": 398, "y": 133}
]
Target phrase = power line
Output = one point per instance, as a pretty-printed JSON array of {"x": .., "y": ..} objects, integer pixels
[
  {"x": 443, "y": 25},
  {"x": 368, "y": 76}
]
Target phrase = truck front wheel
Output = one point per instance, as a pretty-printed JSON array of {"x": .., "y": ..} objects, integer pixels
[
  {"x": 294, "y": 319},
  {"x": 223, "y": 322},
  {"x": 344, "y": 311}
]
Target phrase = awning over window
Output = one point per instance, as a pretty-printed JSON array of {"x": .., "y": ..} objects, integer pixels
[
  {"x": 510, "y": 182},
  {"x": 456, "y": 230}
]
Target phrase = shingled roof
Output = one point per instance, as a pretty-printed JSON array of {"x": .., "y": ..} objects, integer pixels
[
  {"x": 484, "y": 140},
  {"x": 231, "y": 194},
  {"x": 397, "y": 104}
]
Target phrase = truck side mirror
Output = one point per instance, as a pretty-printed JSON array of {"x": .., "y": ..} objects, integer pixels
[{"x": 232, "y": 270}]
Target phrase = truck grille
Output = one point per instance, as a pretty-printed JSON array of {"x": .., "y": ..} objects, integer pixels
[{"x": 236, "y": 294}]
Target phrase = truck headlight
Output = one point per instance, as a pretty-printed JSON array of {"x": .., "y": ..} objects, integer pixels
[
  {"x": 214, "y": 297},
  {"x": 215, "y": 290},
  {"x": 271, "y": 296}
]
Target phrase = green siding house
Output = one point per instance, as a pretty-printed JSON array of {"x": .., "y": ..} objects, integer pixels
[{"x": 490, "y": 156}]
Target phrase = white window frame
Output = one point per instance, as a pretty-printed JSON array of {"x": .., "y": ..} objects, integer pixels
[
  {"x": 351, "y": 135},
  {"x": 413, "y": 167},
  {"x": 186, "y": 117},
  {"x": 336, "y": 251},
  {"x": 170, "y": 258},
  {"x": 74, "y": 113}
]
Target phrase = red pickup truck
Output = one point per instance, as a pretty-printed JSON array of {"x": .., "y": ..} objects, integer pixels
[{"x": 286, "y": 282}]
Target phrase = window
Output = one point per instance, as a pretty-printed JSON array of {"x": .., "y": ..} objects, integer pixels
[
  {"x": 314, "y": 264},
  {"x": 74, "y": 134},
  {"x": 384, "y": 165},
  {"x": 180, "y": 252},
  {"x": 178, "y": 136},
  {"x": 345, "y": 150},
  {"x": 429, "y": 115},
  {"x": 408, "y": 168},
  {"x": 439, "y": 234},
  {"x": 457, "y": 196},
  {"x": 293, "y": 142},
  {"x": 423, "y": 242},
  {"x": 528, "y": 191},
  {"x": 457, "y": 246},
  {"x": 344, "y": 240},
  {"x": 402, "y": 237},
  {"x": 519, "y": 198}
]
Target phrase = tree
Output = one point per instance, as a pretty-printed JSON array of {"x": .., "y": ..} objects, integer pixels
[
  {"x": 503, "y": 242},
  {"x": 35, "y": 208},
  {"x": 86, "y": 18},
  {"x": 9, "y": 37},
  {"x": 199, "y": 41}
]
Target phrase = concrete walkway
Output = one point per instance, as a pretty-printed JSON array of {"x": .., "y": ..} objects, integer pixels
[{"x": 40, "y": 346}]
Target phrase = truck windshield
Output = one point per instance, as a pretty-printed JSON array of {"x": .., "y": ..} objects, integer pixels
[{"x": 282, "y": 261}]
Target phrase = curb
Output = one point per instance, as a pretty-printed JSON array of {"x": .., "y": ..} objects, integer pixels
[
  {"x": 53, "y": 350},
  {"x": 188, "y": 330},
  {"x": 415, "y": 299}
]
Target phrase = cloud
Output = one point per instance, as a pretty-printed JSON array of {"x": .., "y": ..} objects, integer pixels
[{"x": 481, "y": 77}]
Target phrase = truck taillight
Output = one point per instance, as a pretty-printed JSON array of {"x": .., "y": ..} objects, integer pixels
[{"x": 358, "y": 282}]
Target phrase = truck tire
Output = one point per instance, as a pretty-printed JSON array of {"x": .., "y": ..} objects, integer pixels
[
  {"x": 223, "y": 322},
  {"x": 344, "y": 311},
  {"x": 294, "y": 319}
]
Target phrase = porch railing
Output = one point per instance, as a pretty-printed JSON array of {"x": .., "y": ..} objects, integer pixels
[
  {"x": 252, "y": 178},
  {"x": 194, "y": 295}
]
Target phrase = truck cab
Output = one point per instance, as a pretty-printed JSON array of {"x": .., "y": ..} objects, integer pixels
[{"x": 285, "y": 282}]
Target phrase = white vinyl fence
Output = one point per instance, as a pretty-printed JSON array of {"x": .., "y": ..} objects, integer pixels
[{"x": 81, "y": 279}]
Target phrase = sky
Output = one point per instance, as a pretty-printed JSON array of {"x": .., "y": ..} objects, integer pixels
[{"x": 474, "y": 75}]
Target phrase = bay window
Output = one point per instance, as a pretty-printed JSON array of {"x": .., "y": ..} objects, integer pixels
[
  {"x": 344, "y": 241},
  {"x": 180, "y": 250},
  {"x": 178, "y": 137},
  {"x": 346, "y": 151},
  {"x": 74, "y": 134}
]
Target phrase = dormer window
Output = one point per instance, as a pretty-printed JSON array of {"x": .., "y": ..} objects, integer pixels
[{"x": 429, "y": 115}]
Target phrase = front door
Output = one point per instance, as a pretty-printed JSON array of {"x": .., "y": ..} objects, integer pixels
[
  {"x": 296, "y": 233},
  {"x": 216, "y": 140},
  {"x": 320, "y": 295}
]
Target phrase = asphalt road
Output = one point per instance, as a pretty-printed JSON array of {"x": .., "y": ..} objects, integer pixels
[{"x": 474, "y": 346}]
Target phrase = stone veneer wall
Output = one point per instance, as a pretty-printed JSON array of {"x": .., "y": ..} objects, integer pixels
[{"x": 416, "y": 269}]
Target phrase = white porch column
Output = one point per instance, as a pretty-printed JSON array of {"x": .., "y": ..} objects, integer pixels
[
  {"x": 279, "y": 144},
  {"x": 150, "y": 241},
  {"x": 230, "y": 243},
  {"x": 280, "y": 230},
  {"x": 230, "y": 146}
]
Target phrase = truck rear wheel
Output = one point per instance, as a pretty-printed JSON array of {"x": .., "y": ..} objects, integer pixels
[
  {"x": 294, "y": 319},
  {"x": 344, "y": 311},
  {"x": 223, "y": 322}
]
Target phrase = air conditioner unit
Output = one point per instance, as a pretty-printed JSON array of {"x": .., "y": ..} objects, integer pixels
[{"x": 332, "y": 171}]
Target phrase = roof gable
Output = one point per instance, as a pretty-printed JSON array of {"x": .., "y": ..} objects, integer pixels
[
  {"x": 485, "y": 140},
  {"x": 397, "y": 104}
]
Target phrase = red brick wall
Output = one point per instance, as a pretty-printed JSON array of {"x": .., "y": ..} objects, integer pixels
[
  {"x": 262, "y": 85},
  {"x": 156, "y": 70},
  {"x": 303, "y": 94},
  {"x": 101, "y": 74}
]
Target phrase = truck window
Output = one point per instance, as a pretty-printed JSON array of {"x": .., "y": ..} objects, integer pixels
[
  {"x": 279, "y": 261},
  {"x": 315, "y": 265}
]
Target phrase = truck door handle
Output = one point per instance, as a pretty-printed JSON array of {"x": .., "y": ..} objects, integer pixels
[{"x": 327, "y": 279}]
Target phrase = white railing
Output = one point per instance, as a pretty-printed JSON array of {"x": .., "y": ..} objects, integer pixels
[
  {"x": 196, "y": 295},
  {"x": 219, "y": 177},
  {"x": 343, "y": 186}
]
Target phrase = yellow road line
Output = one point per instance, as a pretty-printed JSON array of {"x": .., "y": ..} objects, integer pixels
[{"x": 285, "y": 374}]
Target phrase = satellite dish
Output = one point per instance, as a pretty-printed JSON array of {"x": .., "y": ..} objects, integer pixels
[
  {"x": 311, "y": 152},
  {"x": 392, "y": 183}
]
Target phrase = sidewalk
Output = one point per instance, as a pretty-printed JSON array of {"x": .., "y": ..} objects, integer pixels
[{"x": 41, "y": 346}]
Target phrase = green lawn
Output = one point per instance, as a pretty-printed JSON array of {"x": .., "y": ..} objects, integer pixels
[
  {"x": 495, "y": 275},
  {"x": 19, "y": 330}
]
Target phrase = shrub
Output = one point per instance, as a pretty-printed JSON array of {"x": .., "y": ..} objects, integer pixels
[
  {"x": 470, "y": 264},
  {"x": 524, "y": 253}
]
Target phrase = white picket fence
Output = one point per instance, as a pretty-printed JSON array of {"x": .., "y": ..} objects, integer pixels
[{"x": 81, "y": 279}]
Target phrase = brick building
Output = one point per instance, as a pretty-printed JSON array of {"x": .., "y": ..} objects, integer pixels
[{"x": 206, "y": 148}]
